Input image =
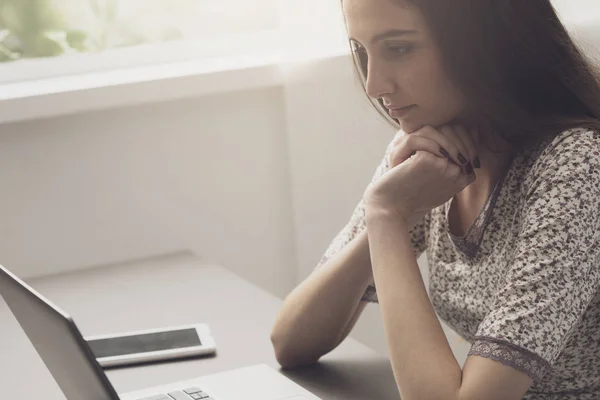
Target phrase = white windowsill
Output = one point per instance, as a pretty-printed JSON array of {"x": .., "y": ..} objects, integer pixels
[{"x": 55, "y": 96}]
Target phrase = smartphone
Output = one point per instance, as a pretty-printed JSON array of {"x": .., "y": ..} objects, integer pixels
[{"x": 152, "y": 345}]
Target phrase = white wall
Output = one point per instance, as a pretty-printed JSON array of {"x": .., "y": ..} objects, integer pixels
[{"x": 209, "y": 175}]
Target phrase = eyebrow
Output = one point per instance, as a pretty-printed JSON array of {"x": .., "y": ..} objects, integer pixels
[{"x": 389, "y": 33}]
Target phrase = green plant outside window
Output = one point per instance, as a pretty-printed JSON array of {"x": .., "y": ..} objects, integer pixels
[{"x": 47, "y": 28}]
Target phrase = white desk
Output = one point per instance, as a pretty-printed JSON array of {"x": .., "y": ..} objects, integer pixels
[{"x": 176, "y": 291}]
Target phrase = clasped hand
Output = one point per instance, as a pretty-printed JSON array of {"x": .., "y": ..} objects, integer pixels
[{"x": 427, "y": 168}]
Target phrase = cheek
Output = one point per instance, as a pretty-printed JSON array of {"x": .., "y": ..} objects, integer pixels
[
  {"x": 427, "y": 85},
  {"x": 413, "y": 81},
  {"x": 438, "y": 91},
  {"x": 423, "y": 78}
]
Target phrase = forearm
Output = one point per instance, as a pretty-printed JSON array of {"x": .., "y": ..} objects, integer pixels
[
  {"x": 315, "y": 315},
  {"x": 423, "y": 363}
]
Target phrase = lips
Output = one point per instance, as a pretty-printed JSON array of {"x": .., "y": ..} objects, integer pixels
[
  {"x": 399, "y": 112},
  {"x": 393, "y": 107}
]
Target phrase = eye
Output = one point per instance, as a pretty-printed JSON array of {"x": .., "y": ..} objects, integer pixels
[{"x": 399, "y": 50}]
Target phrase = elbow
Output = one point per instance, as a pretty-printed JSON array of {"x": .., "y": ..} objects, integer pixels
[
  {"x": 289, "y": 360},
  {"x": 289, "y": 356}
]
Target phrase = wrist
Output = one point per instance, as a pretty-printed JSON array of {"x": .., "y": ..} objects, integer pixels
[
  {"x": 375, "y": 214},
  {"x": 365, "y": 255}
]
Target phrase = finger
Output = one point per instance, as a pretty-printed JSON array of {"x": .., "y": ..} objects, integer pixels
[
  {"x": 448, "y": 148},
  {"x": 462, "y": 154},
  {"x": 406, "y": 148},
  {"x": 454, "y": 172},
  {"x": 465, "y": 180},
  {"x": 466, "y": 155},
  {"x": 475, "y": 134},
  {"x": 466, "y": 136}
]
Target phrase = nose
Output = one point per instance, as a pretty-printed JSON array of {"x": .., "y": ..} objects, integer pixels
[{"x": 379, "y": 80}]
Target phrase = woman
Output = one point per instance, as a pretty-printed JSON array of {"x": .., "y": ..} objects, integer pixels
[{"x": 496, "y": 175}]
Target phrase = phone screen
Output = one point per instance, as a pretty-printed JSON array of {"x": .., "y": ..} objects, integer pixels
[{"x": 144, "y": 343}]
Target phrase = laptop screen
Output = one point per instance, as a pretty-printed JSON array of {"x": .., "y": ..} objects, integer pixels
[{"x": 57, "y": 340}]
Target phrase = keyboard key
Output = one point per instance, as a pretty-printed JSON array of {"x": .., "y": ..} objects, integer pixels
[
  {"x": 199, "y": 395},
  {"x": 192, "y": 390},
  {"x": 179, "y": 395},
  {"x": 157, "y": 397}
]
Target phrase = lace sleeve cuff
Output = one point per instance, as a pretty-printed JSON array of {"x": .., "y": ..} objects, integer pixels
[{"x": 511, "y": 355}]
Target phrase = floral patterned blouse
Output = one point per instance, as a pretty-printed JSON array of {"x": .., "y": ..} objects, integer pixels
[{"x": 523, "y": 285}]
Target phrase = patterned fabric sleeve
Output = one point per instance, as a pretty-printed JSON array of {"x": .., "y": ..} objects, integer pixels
[
  {"x": 357, "y": 224},
  {"x": 554, "y": 272}
]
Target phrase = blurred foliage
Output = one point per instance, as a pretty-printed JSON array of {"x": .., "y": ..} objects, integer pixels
[{"x": 46, "y": 28}]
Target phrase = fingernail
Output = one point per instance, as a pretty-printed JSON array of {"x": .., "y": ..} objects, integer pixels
[
  {"x": 477, "y": 163},
  {"x": 445, "y": 153},
  {"x": 469, "y": 168},
  {"x": 462, "y": 158}
]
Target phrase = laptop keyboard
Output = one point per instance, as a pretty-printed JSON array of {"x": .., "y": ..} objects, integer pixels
[{"x": 187, "y": 394}]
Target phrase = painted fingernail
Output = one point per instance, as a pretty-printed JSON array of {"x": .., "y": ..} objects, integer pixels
[
  {"x": 462, "y": 158},
  {"x": 445, "y": 153},
  {"x": 477, "y": 163},
  {"x": 469, "y": 168}
]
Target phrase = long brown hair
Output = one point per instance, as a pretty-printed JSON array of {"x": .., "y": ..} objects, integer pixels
[{"x": 515, "y": 63}]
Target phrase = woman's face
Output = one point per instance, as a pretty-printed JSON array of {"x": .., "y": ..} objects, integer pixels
[{"x": 403, "y": 64}]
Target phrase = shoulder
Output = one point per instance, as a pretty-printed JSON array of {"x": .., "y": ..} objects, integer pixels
[
  {"x": 570, "y": 155},
  {"x": 573, "y": 146}
]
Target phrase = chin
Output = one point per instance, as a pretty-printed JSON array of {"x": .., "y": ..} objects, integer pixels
[{"x": 408, "y": 126}]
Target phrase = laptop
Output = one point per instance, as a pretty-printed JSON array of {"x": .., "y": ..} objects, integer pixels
[{"x": 71, "y": 362}]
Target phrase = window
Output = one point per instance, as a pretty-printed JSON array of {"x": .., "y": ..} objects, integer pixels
[
  {"x": 572, "y": 11},
  {"x": 97, "y": 34}
]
